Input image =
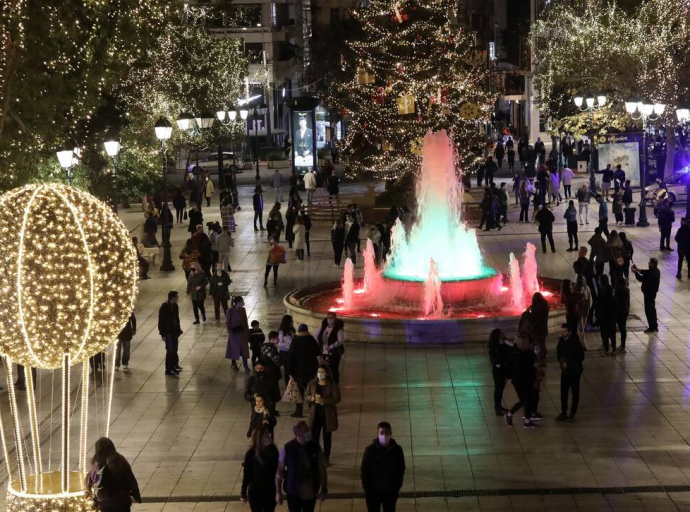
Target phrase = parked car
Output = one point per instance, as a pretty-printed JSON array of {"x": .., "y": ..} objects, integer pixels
[
  {"x": 675, "y": 188},
  {"x": 210, "y": 163}
]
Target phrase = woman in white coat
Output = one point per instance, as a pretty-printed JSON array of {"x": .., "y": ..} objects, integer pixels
[{"x": 299, "y": 231}]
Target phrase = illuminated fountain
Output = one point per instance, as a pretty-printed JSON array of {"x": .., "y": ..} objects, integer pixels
[{"x": 435, "y": 286}]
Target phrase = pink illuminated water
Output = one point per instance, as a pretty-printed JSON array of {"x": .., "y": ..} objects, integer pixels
[
  {"x": 372, "y": 276},
  {"x": 517, "y": 294},
  {"x": 529, "y": 270},
  {"x": 348, "y": 284},
  {"x": 433, "y": 303}
]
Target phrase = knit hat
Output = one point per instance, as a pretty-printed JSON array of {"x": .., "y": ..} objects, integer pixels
[{"x": 302, "y": 328}]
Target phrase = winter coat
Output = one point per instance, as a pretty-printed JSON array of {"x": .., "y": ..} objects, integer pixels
[
  {"x": 195, "y": 219},
  {"x": 197, "y": 279},
  {"x": 224, "y": 242},
  {"x": 129, "y": 330},
  {"x": 331, "y": 397},
  {"x": 570, "y": 351},
  {"x": 209, "y": 188},
  {"x": 219, "y": 285},
  {"x": 299, "y": 231},
  {"x": 303, "y": 357},
  {"x": 545, "y": 219},
  {"x": 310, "y": 181},
  {"x": 383, "y": 468},
  {"x": 238, "y": 333},
  {"x": 264, "y": 384},
  {"x": 598, "y": 245},
  {"x": 567, "y": 176},
  {"x": 258, "y": 475},
  {"x": 683, "y": 239},
  {"x": 257, "y": 420}
]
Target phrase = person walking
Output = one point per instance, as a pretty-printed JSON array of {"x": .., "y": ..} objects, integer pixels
[
  {"x": 614, "y": 255},
  {"x": 490, "y": 169},
  {"x": 650, "y": 279},
  {"x": 310, "y": 185},
  {"x": 169, "y": 329},
  {"x": 499, "y": 153},
  {"x": 352, "y": 238},
  {"x": 277, "y": 184},
  {"x": 603, "y": 215},
  {"x": 510, "y": 146},
  {"x": 302, "y": 362},
  {"x": 306, "y": 220},
  {"x": 300, "y": 235},
  {"x": 570, "y": 216},
  {"x": 110, "y": 479},
  {"x": 500, "y": 355},
  {"x": 180, "y": 205},
  {"x": 502, "y": 204},
  {"x": 322, "y": 395},
  {"x": 124, "y": 343},
  {"x": 627, "y": 194},
  {"x": 570, "y": 358},
  {"x": 569, "y": 301},
  {"x": 303, "y": 468},
  {"x": 524, "y": 379},
  {"x": 238, "y": 334},
  {"x": 256, "y": 340},
  {"x": 270, "y": 358},
  {"x": 286, "y": 333},
  {"x": 666, "y": 218},
  {"x": 259, "y": 472},
  {"x": 258, "y": 204},
  {"x": 262, "y": 415},
  {"x": 331, "y": 339},
  {"x": 617, "y": 207},
  {"x": 275, "y": 225},
  {"x": 539, "y": 325},
  {"x": 196, "y": 218},
  {"x": 224, "y": 242},
  {"x": 622, "y": 294},
  {"x": 196, "y": 289},
  {"x": 598, "y": 251},
  {"x": 227, "y": 216},
  {"x": 202, "y": 243},
  {"x": 583, "y": 299},
  {"x": 262, "y": 383},
  {"x": 682, "y": 239},
  {"x": 524, "y": 196},
  {"x": 290, "y": 218},
  {"x": 333, "y": 189},
  {"x": 208, "y": 191},
  {"x": 276, "y": 256},
  {"x": 338, "y": 241},
  {"x": 219, "y": 289},
  {"x": 545, "y": 219},
  {"x": 608, "y": 310},
  {"x": 382, "y": 470},
  {"x": 554, "y": 188},
  {"x": 567, "y": 178},
  {"x": 583, "y": 199}
]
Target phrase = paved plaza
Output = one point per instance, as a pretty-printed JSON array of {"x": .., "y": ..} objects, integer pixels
[{"x": 628, "y": 450}]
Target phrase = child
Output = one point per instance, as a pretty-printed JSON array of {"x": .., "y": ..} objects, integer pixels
[
  {"x": 256, "y": 339},
  {"x": 262, "y": 417}
]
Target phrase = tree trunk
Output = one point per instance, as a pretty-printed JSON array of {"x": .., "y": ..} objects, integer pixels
[{"x": 670, "y": 149}]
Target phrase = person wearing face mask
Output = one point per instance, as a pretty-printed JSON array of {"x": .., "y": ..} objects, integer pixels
[
  {"x": 262, "y": 416},
  {"x": 238, "y": 334},
  {"x": 220, "y": 281},
  {"x": 264, "y": 384},
  {"x": 331, "y": 338},
  {"x": 302, "y": 466},
  {"x": 196, "y": 289},
  {"x": 382, "y": 470},
  {"x": 270, "y": 357},
  {"x": 258, "y": 472},
  {"x": 323, "y": 395},
  {"x": 302, "y": 362},
  {"x": 169, "y": 329}
]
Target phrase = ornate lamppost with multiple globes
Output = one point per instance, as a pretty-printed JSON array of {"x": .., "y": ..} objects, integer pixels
[
  {"x": 590, "y": 104},
  {"x": 231, "y": 116},
  {"x": 163, "y": 129},
  {"x": 112, "y": 149}
]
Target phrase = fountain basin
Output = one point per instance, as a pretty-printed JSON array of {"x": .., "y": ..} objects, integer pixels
[
  {"x": 461, "y": 290},
  {"x": 401, "y": 322}
]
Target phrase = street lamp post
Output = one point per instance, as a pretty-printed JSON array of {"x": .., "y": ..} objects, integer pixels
[
  {"x": 194, "y": 125},
  {"x": 258, "y": 113},
  {"x": 68, "y": 158},
  {"x": 163, "y": 130},
  {"x": 112, "y": 148},
  {"x": 646, "y": 111},
  {"x": 590, "y": 104},
  {"x": 232, "y": 118}
]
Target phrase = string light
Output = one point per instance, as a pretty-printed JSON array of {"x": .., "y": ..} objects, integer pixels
[
  {"x": 113, "y": 348},
  {"x": 83, "y": 437},
  {"x": 33, "y": 421},
  {"x": 64, "y": 469},
  {"x": 18, "y": 437}
]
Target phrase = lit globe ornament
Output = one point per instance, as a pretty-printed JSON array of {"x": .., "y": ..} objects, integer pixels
[{"x": 68, "y": 275}]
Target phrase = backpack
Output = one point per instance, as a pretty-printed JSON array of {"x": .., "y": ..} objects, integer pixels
[{"x": 277, "y": 255}]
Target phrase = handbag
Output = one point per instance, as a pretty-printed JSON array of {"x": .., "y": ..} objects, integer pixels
[{"x": 292, "y": 393}]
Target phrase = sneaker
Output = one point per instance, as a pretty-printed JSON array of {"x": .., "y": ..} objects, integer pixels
[
  {"x": 650, "y": 330},
  {"x": 262, "y": 229},
  {"x": 621, "y": 349},
  {"x": 530, "y": 424},
  {"x": 537, "y": 416},
  {"x": 196, "y": 323},
  {"x": 178, "y": 369},
  {"x": 562, "y": 417},
  {"x": 235, "y": 367},
  {"x": 508, "y": 419},
  {"x": 125, "y": 368},
  {"x": 172, "y": 374},
  {"x": 256, "y": 229}
]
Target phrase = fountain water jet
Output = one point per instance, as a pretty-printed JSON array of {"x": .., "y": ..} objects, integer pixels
[
  {"x": 372, "y": 276},
  {"x": 529, "y": 270},
  {"x": 348, "y": 285},
  {"x": 517, "y": 293},
  {"x": 433, "y": 302}
]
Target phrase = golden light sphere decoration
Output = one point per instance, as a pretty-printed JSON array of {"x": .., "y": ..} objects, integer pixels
[{"x": 68, "y": 275}]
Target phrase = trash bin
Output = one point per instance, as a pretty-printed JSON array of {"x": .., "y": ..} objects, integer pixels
[{"x": 629, "y": 216}]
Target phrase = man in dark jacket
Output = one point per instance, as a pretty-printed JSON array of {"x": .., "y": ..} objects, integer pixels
[
  {"x": 545, "y": 219},
  {"x": 264, "y": 384},
  {"x": 383, "y": 470},
  {"x": 683, "y": 245},
  {"x": 258, "y": 203},
  {"x": 306, "y": 220},
  {"x": 650, "y": 279},
  {"x": 124, "y": 342},
  {"x": 666, "y": 218},
  {"x": 352, "y": 239},
  {"x": 169, "y": 329},
  {"x": 598, "y": 251},
  {"x": 302, "y": 361},
  {"x": 570, "y": 357},
  {"x": 302, "y": 466},
  {"x": 490, "y": 169}
]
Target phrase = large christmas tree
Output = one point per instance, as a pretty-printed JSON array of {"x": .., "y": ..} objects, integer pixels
[{"x": 414, "y": 69}]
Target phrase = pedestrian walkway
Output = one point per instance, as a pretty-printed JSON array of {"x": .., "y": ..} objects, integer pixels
[{"x": 186, "y": 437}]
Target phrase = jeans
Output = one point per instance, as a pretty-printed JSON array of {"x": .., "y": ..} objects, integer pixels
[
  {"x": 548, "y": 234},
  {"x": 123, "y": 349},
  {"x": 525, "y": 399},
  {"x": 217, "y": 303},
  {"x": 376, "y": 500},
  {"x": 295, "y": 504},
  {"x": 608, "y": 335},
  {"x": 572, "y": 234},
  {"x": 334, "y": 364},
  {"x": 179, "y": 214},
  {"x": 172, "y": 360},
  {"x": 261, "y": 501},
  {"x": 259, "y": 214},
  {"x": 665, "y": 240},
  {"x": 604, "y": 225},
  {"x": 650, "y": 310},
  {"x": 224, "y": 258},
  {"x": 566, "y": 191},
  {"x": 622, "y": 324},
  {"x": 683, "y": 256},
  {"x": 316, "y": 429},
  {"x": 198, "y": 305},
  {"x": 268, "y": 271},
  {"x": 524, "y": 212},
  {"x": 279, "y": 195},
  {"x": 584, "y": 207},
  {"x": 310, "y": 195},
  {"x": 499, "y": 386},
  {"x": 570, "y": 382}
]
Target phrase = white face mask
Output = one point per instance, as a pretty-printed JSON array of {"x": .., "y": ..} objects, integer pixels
[{"x": 321, "y": 376}]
